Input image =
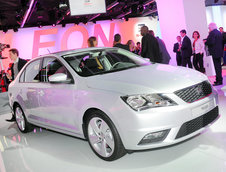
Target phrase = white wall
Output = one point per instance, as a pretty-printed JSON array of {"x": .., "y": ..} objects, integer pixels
[
  {"x": 175, "y": 15},
  {"x": 217, "y": 14}
]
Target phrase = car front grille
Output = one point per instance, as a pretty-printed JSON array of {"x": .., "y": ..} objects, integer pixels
[
  {"x": 198, "y": 123},
  {"x": 195, "y": 92}
]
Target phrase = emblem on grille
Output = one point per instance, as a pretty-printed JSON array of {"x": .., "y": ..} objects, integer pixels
[{"x": 198, "y": 90}]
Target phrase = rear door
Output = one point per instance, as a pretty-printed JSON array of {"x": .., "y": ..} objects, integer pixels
[{"x": 29, "y": 89}]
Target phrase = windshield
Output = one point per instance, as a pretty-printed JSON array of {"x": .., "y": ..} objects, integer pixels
[{"x": 101, "y": 61}]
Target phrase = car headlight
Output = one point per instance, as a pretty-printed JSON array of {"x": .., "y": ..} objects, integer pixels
[{"x": 146, "y": 101}]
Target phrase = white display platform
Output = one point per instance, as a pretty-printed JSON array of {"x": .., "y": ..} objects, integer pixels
[
  {"x": 209, "y": 66},
  {"x": 224, "y": 90}
]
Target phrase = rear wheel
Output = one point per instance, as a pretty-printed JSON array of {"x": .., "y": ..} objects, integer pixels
[
  {"x": 103, "y": 137},
  {"x": 21, "y": 120}
]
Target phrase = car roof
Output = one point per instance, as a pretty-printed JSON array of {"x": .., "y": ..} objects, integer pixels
[{"x": 60, "y": 53}]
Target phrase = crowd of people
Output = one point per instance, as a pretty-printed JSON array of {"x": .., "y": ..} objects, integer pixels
[
  {"x": 154, "y": 48},
  {"x": 215, "y": 45}
]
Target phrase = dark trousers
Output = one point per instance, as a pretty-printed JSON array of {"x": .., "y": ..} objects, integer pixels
[
  {"x": 224, "y": 57},
  {"x": 198, "y": 62},
  {"x": 186, "y": 61},
  {"x": 179, "y": 60},
  {"x": 218, "y": 69}
]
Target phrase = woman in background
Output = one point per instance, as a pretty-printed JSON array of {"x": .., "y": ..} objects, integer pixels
[
  {"x": 92, "y": 41},
  {"x": 198, "y": 50},
  {"x": 131, "y": 45}
]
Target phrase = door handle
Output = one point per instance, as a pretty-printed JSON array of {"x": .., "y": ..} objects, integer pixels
[{"x": 41, "y": 93}]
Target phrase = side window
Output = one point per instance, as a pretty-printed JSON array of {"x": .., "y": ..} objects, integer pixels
[
  {"x": 32, "y": 72},
  {"x": 52, "y": 66},
  {"x": 22, "y": 76}
]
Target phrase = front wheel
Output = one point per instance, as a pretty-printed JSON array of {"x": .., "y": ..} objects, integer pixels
[{"x": 103, "y": 137}]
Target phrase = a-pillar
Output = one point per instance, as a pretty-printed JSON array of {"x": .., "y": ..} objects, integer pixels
[{"x": 175, "y": 15}]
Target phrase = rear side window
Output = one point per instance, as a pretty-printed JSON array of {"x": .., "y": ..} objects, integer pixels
[
  {"x": 31, "y": 73},
  {"x": 22, "y": 76}
]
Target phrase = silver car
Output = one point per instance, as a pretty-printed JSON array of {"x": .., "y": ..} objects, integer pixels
[{"x": 115, "y": 99}]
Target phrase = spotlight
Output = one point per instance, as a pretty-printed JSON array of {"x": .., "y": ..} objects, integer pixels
[
  {"x": 5, "y": 29},
  {"x": 112, "y": 5},
  {"x": 134, "y": 9},
  {"x": 84, "y": 21},
  {"x": 15, "y": 29},
  {"x": 141, "y": 8},
  {"x": 39, "y": 24},
  {"x": 76, "y": 22},
  {"x": 52, "y": 17},
  {"x": 63, "y": 6}
]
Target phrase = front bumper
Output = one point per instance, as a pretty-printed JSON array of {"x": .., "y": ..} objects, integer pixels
[{"x": 183, "y": 122}]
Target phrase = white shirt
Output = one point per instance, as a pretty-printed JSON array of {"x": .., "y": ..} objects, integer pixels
[
  {"x": 15, "y": 67},
  {"x": 199, "y": 46}
]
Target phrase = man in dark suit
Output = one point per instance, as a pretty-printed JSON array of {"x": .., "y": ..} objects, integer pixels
[
  {"x": 162, "y": 48},
  {"x": 186, "y": 49},
  {"x": 149, "y": 46},
  {"x": 17, "y": 65},
  {"x": 221, "y": 29},
  {"x": 117, "y": 42},
  {"x": 215, "y": 47},
  {"x": 177, "y": 50}
]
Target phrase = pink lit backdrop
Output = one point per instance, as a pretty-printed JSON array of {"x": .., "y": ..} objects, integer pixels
[{"x": 32, "y": 42}]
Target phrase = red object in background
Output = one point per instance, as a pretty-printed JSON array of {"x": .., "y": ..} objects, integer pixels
[
  {"x": 2, "y": 84},
  {"x": 3, "y": 79}
]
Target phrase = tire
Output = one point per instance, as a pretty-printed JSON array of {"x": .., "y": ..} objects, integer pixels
[
  {"x": 103, "y": 137},
  {"x": 21, "y": 121}
]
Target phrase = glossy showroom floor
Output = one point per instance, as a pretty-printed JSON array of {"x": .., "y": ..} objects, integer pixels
[{"x": 47, "y": 151}]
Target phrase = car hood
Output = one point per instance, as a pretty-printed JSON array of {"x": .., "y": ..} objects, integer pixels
[{"x": 156, "y": 78}]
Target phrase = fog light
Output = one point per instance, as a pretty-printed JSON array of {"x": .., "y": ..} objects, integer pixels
[{"x": 154, "y": 137}]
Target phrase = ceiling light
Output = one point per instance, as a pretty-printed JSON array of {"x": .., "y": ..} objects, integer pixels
[
  {"x": 148, "y": 2},
  {"x": 149, "y": 12},
  {"x": 5, "y": 29},
  {"x": 15, "y": 29},
  {"x": 112, "y": 5}
]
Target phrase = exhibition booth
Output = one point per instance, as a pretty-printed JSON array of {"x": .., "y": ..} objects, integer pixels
[{"x": 114, "y": 103}]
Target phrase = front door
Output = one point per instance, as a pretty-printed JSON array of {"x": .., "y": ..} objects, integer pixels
[{"x": 57, "y": 100}]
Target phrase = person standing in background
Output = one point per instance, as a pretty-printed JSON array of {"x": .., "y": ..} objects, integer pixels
[
  {"x": 186, "y": 49},
  {"x": 131, "y": 45},
  {"x": 149, "y": 46},
  {"x": 92, "y": 41},
  {"x": 138, "y": 48},
  {"x": 215, "y": 47},
  {"x": 221, "y": 29},
  {"x": 17, "y": 65},
  {"x": 177, "y": 50},
  {"x": 117, "y": 42},
  {"x": 198, "y": 50},
  {"x": 162, "y": 48}
]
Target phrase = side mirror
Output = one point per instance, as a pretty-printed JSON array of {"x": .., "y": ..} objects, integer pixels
[{"x": 59, "y": 78}]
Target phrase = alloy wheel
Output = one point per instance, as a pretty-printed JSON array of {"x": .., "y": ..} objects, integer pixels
[
  {"x": 101, "y": 137},
  {"x": 20, "y": 119}
]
